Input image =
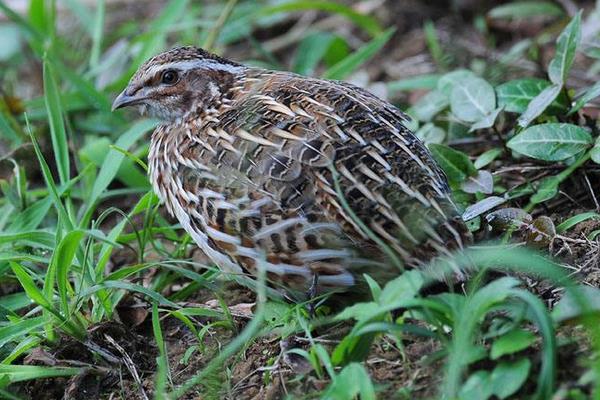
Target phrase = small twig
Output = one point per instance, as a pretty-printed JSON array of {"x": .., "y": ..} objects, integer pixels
[
  {"x": 129, "y": 364},
  {"x": 587, "y": 181}
]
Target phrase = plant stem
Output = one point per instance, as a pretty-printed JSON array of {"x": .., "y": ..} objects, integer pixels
[{"x": 216, "y": 30}]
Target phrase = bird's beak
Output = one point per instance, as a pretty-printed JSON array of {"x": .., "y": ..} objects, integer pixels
[{"x": 125, "y": 100}]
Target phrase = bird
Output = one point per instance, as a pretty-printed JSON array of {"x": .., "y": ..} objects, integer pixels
[{"x": 310, "y": 182}]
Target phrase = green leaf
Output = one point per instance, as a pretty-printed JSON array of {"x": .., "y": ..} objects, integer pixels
[
  {"x": 482, "y": 206},
  {"x": 516, "y": 95},
  {"x": 80, "y": 10},
  {"x": 349, "y": 64},
  {"x": 539, "y": 104},
  {"x": 589, "y": 95},
  {"x": 57, "y": 124},
  {"x": 526, "y": 9},
  {"x": 487, "y": 157},
  {"x": 508, "y": 377},
  {"x": 538, "y": 313},
  {"x": 427, "y": 81},
  {"x": 97, "y": 34},
  {"x": 60, "y": 264},
  {"x": 456, "y": 164},
  {"x": 50, "y": 183},
  {"x": 429, "y": 133},
  {"x": 113, "y": 160},
  {"x": 310, "y": 51},
  {"x": 404, "y": 287},
  {"x": 546, "y": 190},
  {"x": 577, "y": 303},
  {"x": 20, "y": 373},
  {"x": 551, "y": 142},
  {"x": 477, "y": 386},
  {"x": 96, "y": 151},
  {"x": 566, "y": 46},
  {"x": 366, "y": 22},
  {"x": 487, "y": 121},
  {"x": 18, "y": 330},
  {"x": 512, "y": 342},
  {"x": 32, "y": 216},
  {"x": 429, "y": 106},
  {"x": 483, "y": 182},
  {"x": 33, "y": 292},
  {"x": 433, "y": 44},
  {"x": 455, "y": 78},
  {"x": 471, "y": 313},
  {"x": 595, "y": 152},
  {"x": 576, "y": 219},
  {"x": 351, "y": 382},
  {"x": 472, "y": 100},
  {"x": 7, "y": 131}
]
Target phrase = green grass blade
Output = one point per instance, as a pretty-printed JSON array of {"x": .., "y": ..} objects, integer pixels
[
  {"x": 39, "y": 238},
  {"x": 542, "y": 318},
  {"x": 57, "y": 124},
  {"x": 58, "y": 269},
  {"x": 51, "y": 185},
  {"x": 97, "y": 34},
  {"x": 33, "y": 292},
  {"x": 20, "y": 373},
  {"x": 7, "y": 131},
  {"x": 132, "y": 287},
  {"x": 349, "y": 64},
  {"x": 20, "y": 329},
  {"x": 33, "y": 32},
  {"x": 366, "y": 22},
  {"x": 162, "y": 373},
  {"x": 80, "y": 10},
  {"x": 113, "y": 160}
]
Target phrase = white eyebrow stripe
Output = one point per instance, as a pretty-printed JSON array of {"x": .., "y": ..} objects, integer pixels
[{"x": 193, "y": 64}]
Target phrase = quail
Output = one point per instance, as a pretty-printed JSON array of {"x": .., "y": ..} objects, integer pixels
[{"x": 315, "y": 181}]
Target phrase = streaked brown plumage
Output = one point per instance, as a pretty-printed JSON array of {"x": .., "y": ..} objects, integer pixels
[{"x": 305, "y": 175}]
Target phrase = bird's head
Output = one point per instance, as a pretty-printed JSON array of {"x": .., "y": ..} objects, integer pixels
[{"x": 179, "y": 81}]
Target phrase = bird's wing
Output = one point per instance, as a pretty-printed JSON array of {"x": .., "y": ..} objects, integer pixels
[{"x": 333, "y": 148}]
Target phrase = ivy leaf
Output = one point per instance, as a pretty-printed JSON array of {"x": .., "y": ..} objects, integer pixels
[
  {"x": 473, "y": 100},
  {"x": 448, "y": 81},
  {"x": 487, "y": 121},
  {"x": 516, "y": 95},
  {"x": 589, "y": 95},
  {"x": 456, "y": 164},
  {"x": 547, "y": 189},
  {"x": 539, "y": 104},
  {"x": 566, "y": 46},
  {"x": 513, "y": 342},
  {"x": 483, "y": 182},
  {"x": 482, "y": 206},
  {"x": 486, "y": 158},
  {"x": 551, "y": 142},
  {"x": 577, "y": 303},
  {"x": 476, "y": 387},
  {"x": 508, "y": 377},
  {"x": 429, "y": 133},
  {"x": 429, "y": 106},
  {"x": 596, "y": 152}
]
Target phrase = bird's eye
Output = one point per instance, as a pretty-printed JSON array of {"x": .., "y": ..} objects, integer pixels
[{"x": 169, "y": 77}]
